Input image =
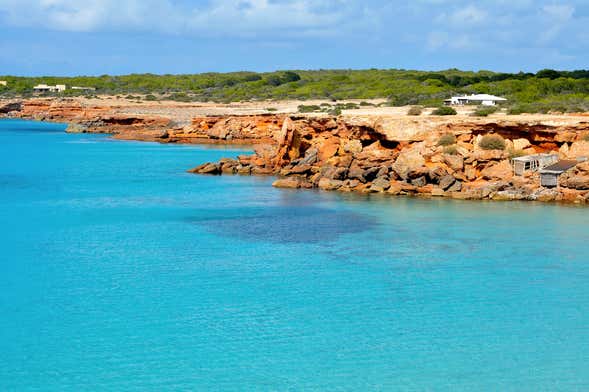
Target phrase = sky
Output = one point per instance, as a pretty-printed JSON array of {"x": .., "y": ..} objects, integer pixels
[{"x": 95, "y": 37}]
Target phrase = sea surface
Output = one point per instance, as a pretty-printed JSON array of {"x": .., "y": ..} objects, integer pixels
[{"x": 119, "y": 271}]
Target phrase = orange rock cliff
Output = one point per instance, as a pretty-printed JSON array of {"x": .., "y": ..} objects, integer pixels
[{"x": 396, "y": 155}]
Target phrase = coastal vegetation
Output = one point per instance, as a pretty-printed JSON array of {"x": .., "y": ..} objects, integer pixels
[
  {"x": 492, "y": 142},
  {"x": 541, "y": 92},
  {"x": 444, "y": 111},
  {"x": 415, "y": 111},
  {"x": 484, "y": 111},
  {"x": 447, "y": 139}
]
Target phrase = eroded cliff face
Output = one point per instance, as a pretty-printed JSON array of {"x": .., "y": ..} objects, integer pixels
[
  {"x": 402, "y": 156},
  {"x": 94, "y": 119},
  {"x": 362, "y": 153}
]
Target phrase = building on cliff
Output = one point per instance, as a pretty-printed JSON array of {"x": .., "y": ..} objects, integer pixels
[
  {"x": 474, "y": 99},
  {"x": 532, "y": 163},
  {"x": 83, "y": 88},
  {"x": 43, "y": 88}
]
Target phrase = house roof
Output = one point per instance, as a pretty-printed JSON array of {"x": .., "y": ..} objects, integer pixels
[
  {"x": 559, "y": 167},
  {"x": 480, "y": 97}
]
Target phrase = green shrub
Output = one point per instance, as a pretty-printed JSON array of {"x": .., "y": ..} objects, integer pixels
[
  {"x": 308, "y": 108},
  {"x": 586, "y": 138},
  {"x": 271, "y": 109},
  {"x": 492, "y": 142},
  {"x": 484, "y": 111},
  {"x": 444, "y": 111},
  {"x": 451, "y": 150},
  {"x": 335, "y": 111},
  {"x": 415, "y": 111},
  {"x": 150, "y": 97},
  {"x": 364, "y": 103},
  {"x": 515, "y": 153},
  {"x": 447, "y": 139}
]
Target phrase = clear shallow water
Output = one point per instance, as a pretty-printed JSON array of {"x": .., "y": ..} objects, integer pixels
[{"x": 119, "y": 271}]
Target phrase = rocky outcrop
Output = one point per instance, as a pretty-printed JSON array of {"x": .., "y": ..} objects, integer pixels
[
  {"x": 396, "y": 155},
  {"x": 350, "y": 155}
]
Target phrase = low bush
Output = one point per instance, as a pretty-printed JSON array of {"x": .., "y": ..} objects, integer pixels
[
  {"x": 308, "y": 108},
  {"x": 271, "y": 109},
  {"x": 150, "y": 97},
  {"x": 415, "y": 111},
  {"x": 451, "y": 150},
  {"x": 516, "y": 153},
  {"x": 444, "y": 111},
  {"x": 492, "y": 142},
  {"x": 484, "y": 111},
  {"x": 447, "y": 139},
  {"x": 335, "y": 111},
  {"x": 586, "y": 138}
]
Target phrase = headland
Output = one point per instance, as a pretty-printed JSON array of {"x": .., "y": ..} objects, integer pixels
[{"x": 365, "y": 149}]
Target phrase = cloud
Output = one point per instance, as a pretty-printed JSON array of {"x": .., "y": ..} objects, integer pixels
[{"x": 224, "y": 17}]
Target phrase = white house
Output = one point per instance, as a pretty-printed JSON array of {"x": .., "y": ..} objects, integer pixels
[
  {"x": 84, "y": 88},
  {"x": 43, "y": 88},
  {"x": 475, "y": 99},
  {"x": 3, "y": 83}
]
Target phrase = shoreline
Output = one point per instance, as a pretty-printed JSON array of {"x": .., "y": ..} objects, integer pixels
[{"x": 356, "y": 151}]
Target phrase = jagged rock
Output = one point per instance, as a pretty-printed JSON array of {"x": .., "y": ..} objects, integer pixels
[
  {"x": 329, "y": 184},
  {"x": 575, "y": 182},
  {"x": 301, "y": 168},
  {"x": 352, "y": 146},
  {"x": 10, "y": 107},
  {"x": 446, "y": 182},
  {"x": 437, "y": 192},
  {"x": 334, "y": 173},
  {"x": 408, "y": 161},
  {"x": 579, "y": 149},
  {"x": 521, "y": 144},
  {"x": 420, "y": 181},
  {"x": 244, "y": 170},
  {"x": 310, "y": 156},
  {"x": 290, "y": 182},
  {"x": 328, "y": 148},
  {"x": 206, "y": 168},
  {"x": 381, "y": 184},
  {"x": 76, "y": 128},
  {"x": 498, "y": 171},
  {"x": 356, "y": 172},
  {"x": 456, "y": 162},
  {"x": 455, "y": 187},
  {"x": 489, "y": 155}
]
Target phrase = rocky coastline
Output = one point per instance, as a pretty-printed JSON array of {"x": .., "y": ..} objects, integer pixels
[{"x": 426, "y": 156}]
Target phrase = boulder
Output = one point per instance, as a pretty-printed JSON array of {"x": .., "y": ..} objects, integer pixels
[
  {"x": 489, "y": 155},
  {"x": 446, "y": 182},
  {"x": 498, "y": 171},
  {"x": 575, "y": 182},
  {"x": 521, "y": 144},
  {"x": 579, "y": 149},
  {"x": 408, "y": 161},
  {"x": 206, "y": 168},
  {"x": 419, "y": 182},
  {"x": 328, "y": 184},
  {"x": 352, "y": 146},
  {"x": 290, "y": 182},
  {"x": 381, "y": 184},
  {"x": 456, "y": 162},
  {"x": 76, "y": 128},
  {"x": 456, "y": 187}
]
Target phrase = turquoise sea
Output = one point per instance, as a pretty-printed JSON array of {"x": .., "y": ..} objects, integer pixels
[{"x": 121, "y": 272}]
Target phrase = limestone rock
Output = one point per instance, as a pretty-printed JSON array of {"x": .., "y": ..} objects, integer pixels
[
  {"x": 329, "y": 184},
  {"x": 521, "y": 144},
  {"x": 290, "y": 182},
  {"x": 498, "y": 171},
  {"x": 408, "y": 161}
]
